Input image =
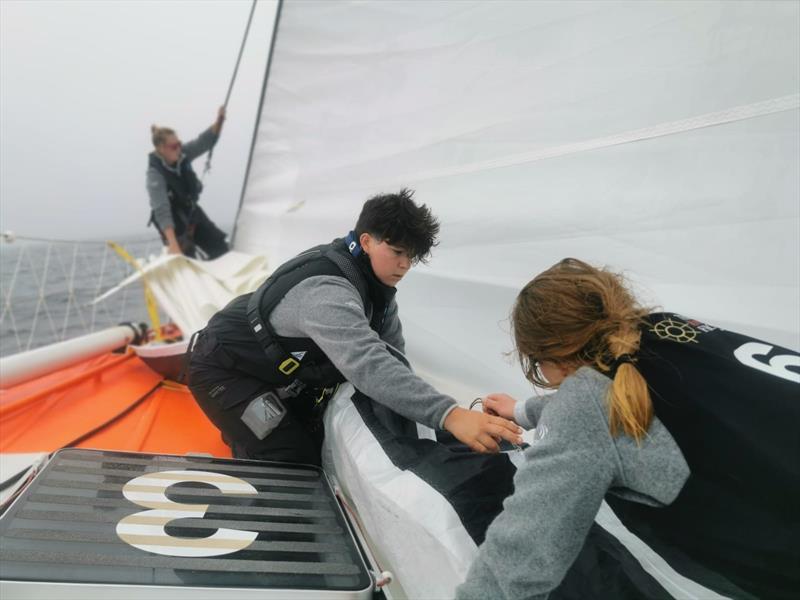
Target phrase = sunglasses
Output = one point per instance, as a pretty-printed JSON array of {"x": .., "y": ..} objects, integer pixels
[{"x": 173, "y": 146}]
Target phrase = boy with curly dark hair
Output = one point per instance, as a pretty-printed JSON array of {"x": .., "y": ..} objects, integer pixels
[{"x": 265, "y": 366}]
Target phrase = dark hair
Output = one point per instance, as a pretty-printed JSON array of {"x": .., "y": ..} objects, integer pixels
[{"x": 397, "y": 220}]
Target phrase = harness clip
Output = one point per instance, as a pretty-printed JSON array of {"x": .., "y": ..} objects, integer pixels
[
  {"x": 288, "y": 366},
  {"x": 294, "y": 389}
]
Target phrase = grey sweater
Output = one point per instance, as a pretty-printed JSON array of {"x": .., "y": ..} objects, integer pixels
[
  {"x": 572, "y": 464},
  {"x": 329, "y": 310},
  {"x": 157, "y": 186}
]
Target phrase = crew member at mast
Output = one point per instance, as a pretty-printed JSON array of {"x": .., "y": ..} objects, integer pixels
[
  {"x": 175, "y": 189},
  {"x": 265, "y": 366}
]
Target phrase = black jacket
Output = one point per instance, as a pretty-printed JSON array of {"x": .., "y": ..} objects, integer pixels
[{"x": 267, "y": 356}]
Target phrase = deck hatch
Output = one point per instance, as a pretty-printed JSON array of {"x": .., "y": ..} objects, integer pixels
[{"x": 100, "y": 517}]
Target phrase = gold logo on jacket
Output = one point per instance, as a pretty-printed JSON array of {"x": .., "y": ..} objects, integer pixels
[{"x": 676, "y": 331}]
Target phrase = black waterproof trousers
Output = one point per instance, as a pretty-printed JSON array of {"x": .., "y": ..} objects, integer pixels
[
  {"x": 224, "y": 392},
  {"x": 200, "y": 232},
  {"x": 204, "y": 234}
]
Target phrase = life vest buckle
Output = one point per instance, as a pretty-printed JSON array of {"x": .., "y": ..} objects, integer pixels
[{"x": 288, "y": 366}]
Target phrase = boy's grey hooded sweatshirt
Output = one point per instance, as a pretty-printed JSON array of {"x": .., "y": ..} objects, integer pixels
[
  {"x": 330, "y": 311},
  {"x": 572, "y": 464}
]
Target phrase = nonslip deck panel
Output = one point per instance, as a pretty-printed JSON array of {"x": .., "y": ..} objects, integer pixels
[{"x": 113, "y": 517}]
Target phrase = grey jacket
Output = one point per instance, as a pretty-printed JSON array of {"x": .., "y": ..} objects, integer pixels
[
  {"x": 329, "y": 310},
  {"x": 157, "y": 186},
  {"x": 572, "y": 464}
]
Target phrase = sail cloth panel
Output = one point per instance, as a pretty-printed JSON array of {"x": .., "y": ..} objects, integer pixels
[
  {"x": 658, "y": 138},
  {"x": 190, "y": 291}
]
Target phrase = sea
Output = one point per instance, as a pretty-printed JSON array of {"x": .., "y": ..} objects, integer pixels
[{"x": 47, "y": 288}]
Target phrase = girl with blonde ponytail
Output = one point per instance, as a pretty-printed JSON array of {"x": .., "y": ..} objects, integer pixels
[
  {"x": 688, "y": 436},
  {"x": 573, "y": 315}
]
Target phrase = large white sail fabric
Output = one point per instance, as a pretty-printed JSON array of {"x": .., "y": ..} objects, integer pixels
[
  {"x": 659, "y": 138},
  {"x": 190, "y": 291}
]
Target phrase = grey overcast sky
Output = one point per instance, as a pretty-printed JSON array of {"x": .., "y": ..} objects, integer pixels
[{"x": 82, "y": 81}]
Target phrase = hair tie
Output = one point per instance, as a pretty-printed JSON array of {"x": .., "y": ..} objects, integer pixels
[{"x": 622, "y": 359}]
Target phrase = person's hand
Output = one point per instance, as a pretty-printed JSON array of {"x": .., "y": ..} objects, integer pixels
[
  {"x": 173, "y": 247},
  {"x": 480, "y": 431},
  {"x": 217, "y": 126},
  {"x": 501, "y": 405}
]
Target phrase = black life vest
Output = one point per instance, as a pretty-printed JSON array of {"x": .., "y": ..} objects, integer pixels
[
  {"x": 183, "y": 189},
  {"x": 732, "y": 404},
  {"x": 243, "y": 326}
]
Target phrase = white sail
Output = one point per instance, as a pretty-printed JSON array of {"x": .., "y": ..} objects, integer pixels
[{"x": 659, "y": 138}]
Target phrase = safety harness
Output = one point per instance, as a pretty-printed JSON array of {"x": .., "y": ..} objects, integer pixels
[
  {"x": 184, "y": 190},
  {"x": 285, "y": 355}
]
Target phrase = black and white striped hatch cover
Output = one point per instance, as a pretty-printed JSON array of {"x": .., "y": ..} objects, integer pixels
[{"x": 139, "y": 519}]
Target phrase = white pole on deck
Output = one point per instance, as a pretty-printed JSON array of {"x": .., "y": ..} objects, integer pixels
[{"x": 24, "y": 366}]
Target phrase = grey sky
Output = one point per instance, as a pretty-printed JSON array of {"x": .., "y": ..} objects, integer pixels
[{"x": 80, "y": 85}]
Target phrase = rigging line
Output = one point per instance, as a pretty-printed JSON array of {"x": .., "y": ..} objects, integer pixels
[
  {"x": 41, "y": 302},
  {"x": 82, "y": 438},
  {"x": 114, "y": 419},
  {"x": 7, "y": 301},
  {"x": 207, "y": 168},
  {"x": 56, "y": 241},
  {"x": 106, "y": 250},
  {"x": 260, "y": 110},
  {"x": 26, "y": 238},
  {"x": 72, "y": 301},
  {"x": 241, "y": 51}
]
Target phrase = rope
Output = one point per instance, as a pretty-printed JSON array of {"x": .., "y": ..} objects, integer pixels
[
  {"x": 41, "y": 302},
  {"x": 7, "y": 301},
  {"x": 207, "y": 167},
  {"x": 10, "y": 237},
  {"x": 71, "y": 299},
  {"x": 82, "y": 438},
  {"x": 99, "y": 287},
  {"x": 149, "y": 299},
  {"x": 114, "y": 419}
]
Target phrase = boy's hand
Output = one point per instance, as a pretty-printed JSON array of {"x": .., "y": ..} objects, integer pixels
[
  {"x": 479, "y": 431},
  {"x": 501, "y": 405}
]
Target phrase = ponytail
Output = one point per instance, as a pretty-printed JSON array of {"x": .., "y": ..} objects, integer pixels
[
  {"x": 630, "y": 409},
  {"x": 575, "y": 314},
  {"x": 160, "y": 134}
]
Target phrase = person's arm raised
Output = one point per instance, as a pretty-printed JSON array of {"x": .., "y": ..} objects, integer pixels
[
  {"x": 216, "y": 128},
  {"x": 206, "y": 140}
]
